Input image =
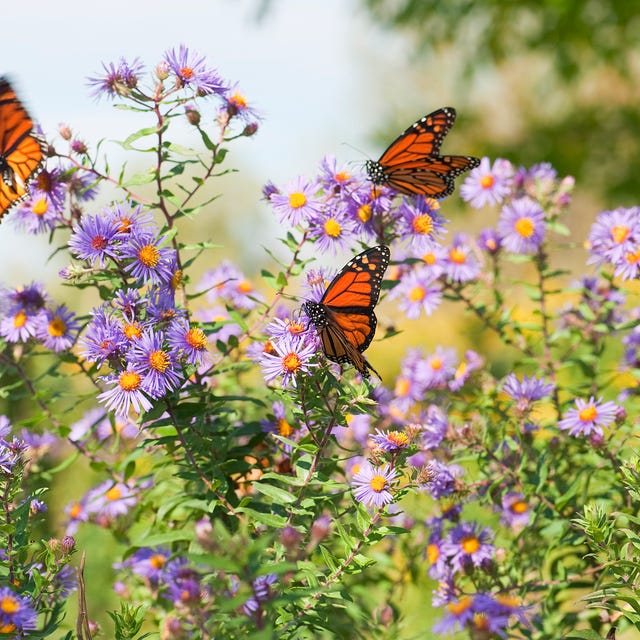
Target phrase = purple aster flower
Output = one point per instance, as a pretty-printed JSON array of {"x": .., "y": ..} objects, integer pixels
[
  {"x": 279, "y": 425},
  {"x": 296, "y": 202},
  {"x": 128, "y": 301},
  {"x": 439, "y": 479},
  {"x": 589, "y": 417},
  {"x": 17, "y": 614},
  {"x": 95, "y": 422},
  {"x": 472, "y": 361},
  {"x": 461, "y": 263},
  {"x": 522, "y": 226},
  {"x": 108, "y": 501},
  {"x": 148, "y": 563},
  {"x": 117, "y": 80},
  {"x": 434, "y": 427},
  {"x": 104, "y": 338},
  {"x": 126, "y": 392},
  {"x": 82, "y": 184},
  {"x": 280, "y": 327},
  {"x": 418, "y": 291},
  {"x": 486, "y": 184},
  {"x": 331, "y": 230},
  {"x": 359, "y": 426},
  {"x": 367, "y": 210},
  {"x": 262, "y": 593},
  {"x": 468, "y": 545},
  {"x": 156, "y": 363},
  {"x": 390, "y": 441},
  {"x": 435, "y": 369},
  {"x": 488, "y": 617},
  {"x": 161, "y": 306},
  {"x": 30, "y": 299},
  {"x": 150, "y": 262},
  {"x": 65, "y": 581},
  {"x": 459, "y": 612},
  {"x": 57, "y": 329},
  {"x": 316, "y": 282},
  {"x": 18, "y": 326},
  {"x": 228, "y": 282},
  {"x": 291, "y": 358},
  {"x": 332, "y": 178},
  {"x": 438, "y": 566},
  {"x": 50, "y": 184},
  {"x": 420, "y": 222},
  {"x": 371, "y": 485},
  {"x": 77, "y": 512},
  {"x": 614, "y": 235},
  {"x": 516, "y": 511},
  {"x": 130, "y": 219},
  {"x": 190, "y": 343},
  {"x": 190, "y": 69},
  {"x": 526, "y": 392},
  {"x": 489, "y": 241},
  {"x": 235, "y": 104},
  {"x": 37, "y": 214},
  {"x": 94, "y": 239}
]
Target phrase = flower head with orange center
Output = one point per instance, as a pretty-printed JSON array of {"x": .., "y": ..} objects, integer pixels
[
  {"x": 487, "y": 184},
  {"x": 522, "y": 226},
  {"x": 291, "y": 359},
  {"x": 191, "y": 70},
  {"x": 296, "y": 202},
  {"x": 468, "y": 544},
  {"x": 372, "y": 484},
  {"x": 589, "y": 417},
  {"x": 420, "y": 222}
]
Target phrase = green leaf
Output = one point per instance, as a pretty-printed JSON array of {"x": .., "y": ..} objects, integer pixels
[
  {"x": 277, "y": 495},
  {"x": 269, "y": 519}
]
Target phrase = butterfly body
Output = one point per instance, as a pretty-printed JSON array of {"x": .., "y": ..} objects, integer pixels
[
  {"x": 344, "y": 317},
  {"x": 412, "y": 164},
  {"x": 22, "y": 151}
]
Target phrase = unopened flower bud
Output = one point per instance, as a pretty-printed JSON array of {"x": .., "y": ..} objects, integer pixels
[
  {"x": 163, "y": 70},
  {"x": 65, "y": 131}
]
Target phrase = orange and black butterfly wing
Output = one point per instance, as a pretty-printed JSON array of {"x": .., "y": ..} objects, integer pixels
[
  {"x": 344, "y": 317},
  {"x": 22, "y": 152},
  {"x": 423, "y": 138},
  {"x": 411, "y": 164}
]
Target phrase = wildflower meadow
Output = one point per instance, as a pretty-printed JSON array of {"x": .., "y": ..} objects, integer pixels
[{"x": 240, "y": 483}]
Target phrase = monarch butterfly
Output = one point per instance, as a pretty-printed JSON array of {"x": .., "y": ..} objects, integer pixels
[
  {"x": 344, "y": 316},
  {"x": 22, "y": 152},
  {"x": 411, "y": 163}
]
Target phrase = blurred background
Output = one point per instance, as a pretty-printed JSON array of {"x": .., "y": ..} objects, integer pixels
[{"x": 537, "y": 80}]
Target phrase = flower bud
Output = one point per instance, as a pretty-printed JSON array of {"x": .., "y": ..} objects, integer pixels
[
  {"x": 163, "y": 70},
  {"x": 193, "y": 115},
  {"x": 65, "y": 131}
]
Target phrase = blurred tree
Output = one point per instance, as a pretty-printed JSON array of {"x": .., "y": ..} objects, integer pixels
[{"x": 563, "y": 74}]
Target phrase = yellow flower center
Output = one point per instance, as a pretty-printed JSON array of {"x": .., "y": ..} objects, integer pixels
[
  {"x": 40, "y": 207},
  {"x": 461, "y": 606},
  {"x": 486, "y": 182},
  {"x": 132, "y": 330},
  {"x": 284, "y": 428},
  {"x": 159, "y": 361},
  {"x": 20, "y": 319},
  {"x": 524, "y": 226},
  {"x": 149, "y": 255},
  {"x": 196, "y": 338},
  {"x": 417, "y": 294},
  {"x": 620, "y": 233},
  {"x": 238, "y": 100},
  {"x": 125, "y": 225},
  {"x": 129, "y": 381},
  {"x": 460, "y": 371},
  {"x": 436, "y": 363},
  {"x": 364, "y": 213},
  {"x": 186, "y": 73},
  {"x": 294, "y": 328},
  {"x": 633, "y": 258},
  {"x": 9, "y": 605},
  {"x": 470, "y": 544},
  {"x": 113, "y": 494},
  {"x": 57, "y": 327},
  {"x": 480, "y": 622},
  {"x": 291, "y": 362},
  {"x": 75, "y": 510},
  {"x": 433, "y": 553},
  {"x": 457, "y": 256},
  {"x": 588, "y": 414},
  {"x": 378, "y": 483},
  {"x": 176, "y": 279},
  {"x": 332, "y": 228},
  {"x": 491, "y": 244},
  {"x": 399, "y": 438},
  {"x": 297, "y": 200},
  {"x": 403, "y": 386},
  {"x": 429, "y": 258},
  {"x": 245, "y": 287},
  {"x": 157, "y": 561},
  {"x": 520, "y": 506},
  {"x": 9, "y": 627},
  {"x": 342, "y": 176},
  {"x": 507, "y": 600},
  {"x": 423, "y": 224}
]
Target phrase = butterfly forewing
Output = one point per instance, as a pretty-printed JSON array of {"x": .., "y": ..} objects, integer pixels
[
  {"x": 411, "y": 164},
  {"x": 344, "y": 317},
  {"x": 22, "y": 152}
]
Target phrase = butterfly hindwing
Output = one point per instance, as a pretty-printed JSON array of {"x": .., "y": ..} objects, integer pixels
[
  {"x": 411, "y": 164},
  {"x": 22, "y": 151},
  {"x": 345, "y": 317}
]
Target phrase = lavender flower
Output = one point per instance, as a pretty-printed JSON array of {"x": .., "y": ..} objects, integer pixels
[
  {"x": 296, "y": 203},
  {"x": 372, "y": 485},
  {"x": 117, "y": 80},
  {"x": 589, "y": 417},
  {"x": 291, "y": 358},
  {"x": 522, "y": 226},
  {"x": 190, "y": 69},
  {"x": 418, "y": 292},
  {"x": 126, "y": 392},
  {"x": 57, "y": 329},
  {"x": 95, "y": 240},
  {"x": 486, "y": 184},
  {"x": 468, "y": 545},
  {"x": 17, "y": 614},
  {"x": 157, "y": 364}
]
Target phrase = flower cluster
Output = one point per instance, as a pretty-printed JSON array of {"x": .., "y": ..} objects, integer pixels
[{"x": 28, "y": 315}]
